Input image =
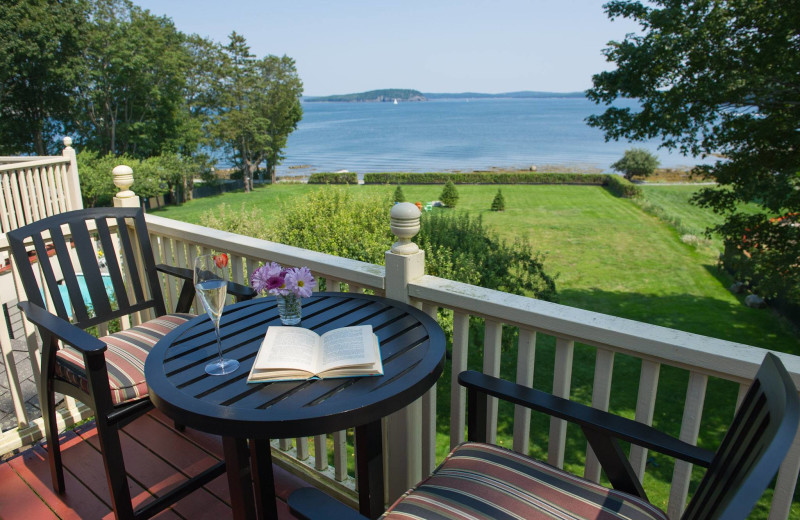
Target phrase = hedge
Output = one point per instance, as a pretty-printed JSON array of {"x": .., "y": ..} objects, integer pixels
[
  {"x": 333, "y": 178},
  {"x": 485, "y": 178},
  {"x": 622, "y": 187},
  {"x": 616, "y": 184}
]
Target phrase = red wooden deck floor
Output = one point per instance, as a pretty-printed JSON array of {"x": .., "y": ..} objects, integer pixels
[{"x": 157, "y": 457}]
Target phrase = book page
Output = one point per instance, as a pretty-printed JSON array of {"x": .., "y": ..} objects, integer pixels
[
  {"x": 347, "y": 346},
  {"x": 288, "y": 347}
]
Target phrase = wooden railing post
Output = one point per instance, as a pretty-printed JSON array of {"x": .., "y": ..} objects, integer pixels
[
  {"x": 405, "y": 262},
  {"x": 75, "y": 199}
]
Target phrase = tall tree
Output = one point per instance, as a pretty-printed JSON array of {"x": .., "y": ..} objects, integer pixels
[
  {"x": 241, "y": 122},
  {"x": 39, "y": 51},
  {"x": 260, "y": 107},
  {"x": 135, "y": 64},
  {"x": 719, "y": 77},
  {"x": 283, "y": 93}
]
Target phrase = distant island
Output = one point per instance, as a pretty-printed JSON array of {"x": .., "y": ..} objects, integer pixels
[
  {"x": 388, "y": 95},
  {"x": 393, "y": 95}
]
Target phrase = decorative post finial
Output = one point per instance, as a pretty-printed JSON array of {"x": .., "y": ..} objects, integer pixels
[
  {"x": 404, "y": 225},
  {"x": 67, "y": 141},
  {"x": 123, "y": 178}
]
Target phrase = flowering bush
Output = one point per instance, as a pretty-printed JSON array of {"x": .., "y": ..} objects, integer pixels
[{"x": 274, "y": 279}]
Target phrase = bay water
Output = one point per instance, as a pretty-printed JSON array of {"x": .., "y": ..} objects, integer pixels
[{"x": 456, "y": 135}]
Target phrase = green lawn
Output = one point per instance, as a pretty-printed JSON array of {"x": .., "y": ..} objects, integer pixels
[{"x": 611, "y": 257}]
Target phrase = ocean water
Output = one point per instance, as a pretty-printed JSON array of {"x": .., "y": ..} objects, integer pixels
[{"x": 454, "y": 135}]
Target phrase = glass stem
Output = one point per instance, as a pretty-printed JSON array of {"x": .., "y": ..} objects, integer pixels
[{"x": 219, "y": 343}]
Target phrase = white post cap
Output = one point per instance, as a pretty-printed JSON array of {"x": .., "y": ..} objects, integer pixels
[
  {"x": 404, "y": 225},
  {"x": 123, "y": 179}
]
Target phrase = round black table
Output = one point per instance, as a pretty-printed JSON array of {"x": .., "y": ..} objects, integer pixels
[{"x": 412, "y": 350}]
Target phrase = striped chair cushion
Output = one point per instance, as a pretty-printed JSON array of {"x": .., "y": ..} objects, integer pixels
[
  {"x": 482, "y": 481},
  {"x": 125, "y": 356}
]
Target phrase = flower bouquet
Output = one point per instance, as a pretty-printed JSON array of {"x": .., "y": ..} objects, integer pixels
[{"x": 288, "y": 285}]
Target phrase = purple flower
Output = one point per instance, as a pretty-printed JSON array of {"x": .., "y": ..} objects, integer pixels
[
  {"x": 300, "y": 281},
  {"x": 259, "y": 278},
  {"x": 273, "y": 269},
  {"x": 275, "y": 284},
  {"x": 274, "y": 279}
]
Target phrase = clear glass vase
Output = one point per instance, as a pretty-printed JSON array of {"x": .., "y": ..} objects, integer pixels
[{"x": 290, "y": 308}]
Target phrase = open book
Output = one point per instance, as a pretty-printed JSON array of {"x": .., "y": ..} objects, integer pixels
[{"x": 292, "y": 353}]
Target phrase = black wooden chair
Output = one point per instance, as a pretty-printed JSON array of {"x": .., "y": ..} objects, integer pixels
[
  {"x": 106, "y": 374},
  {"x": 483, "y": 481}
]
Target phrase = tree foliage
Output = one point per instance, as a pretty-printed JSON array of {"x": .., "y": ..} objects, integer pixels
[
  {"x": 718, "y": 78},
  {"x": 40, "y": 52},
  {"x": 399, "y": 196},
  {"x": 636, "y": 162},
  {"x": 449, "y": 194},
  {"x": 123, "y": 81},
  {"x": 133, "y": 76}
]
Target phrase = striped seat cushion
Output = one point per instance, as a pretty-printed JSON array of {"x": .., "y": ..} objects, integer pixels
[
  {"x": 482, "y": 481},
  {"x": 125, "y": 356}
]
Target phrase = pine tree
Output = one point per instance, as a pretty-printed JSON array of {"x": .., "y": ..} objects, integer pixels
[
  {"x": 499, "y": 202},
  {"x": 399, "y": 196},
  {"x": 449, "y": 195}
]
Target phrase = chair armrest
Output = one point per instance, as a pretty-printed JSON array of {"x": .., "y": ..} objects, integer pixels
[
  {"x": 586, "y": 416},
  {"x": 311, "y": 503},
  {"x": 62, "y": 329}
]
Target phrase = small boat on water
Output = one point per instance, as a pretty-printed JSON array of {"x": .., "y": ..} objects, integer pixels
[{"x": 395, "y": 101}]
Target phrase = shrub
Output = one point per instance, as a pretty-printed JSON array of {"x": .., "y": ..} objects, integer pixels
[
  {"x": 461, "y": 248},
  {"x": 636, "y": 162},
  {"x": 333, "y": 178},
  {"x": 332, "y": 220},
  {"x": 449, "y": 195},
  {"x": 499, "y": 202},
  {"x": 622, "y": 187},
  {"x": 399, "y": 196}
]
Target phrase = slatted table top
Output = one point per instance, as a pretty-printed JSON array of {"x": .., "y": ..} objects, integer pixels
[{"x": 412, "y": 350}]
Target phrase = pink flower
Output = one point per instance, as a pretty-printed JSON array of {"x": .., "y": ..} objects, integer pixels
[{"x": 300, "y": 281}]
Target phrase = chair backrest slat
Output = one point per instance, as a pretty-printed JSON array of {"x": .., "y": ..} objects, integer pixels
[
  {"x": 112, "y": 266},
  {"x": 90, "y": 268},
  {"x": 753, "y": 449},
  {"x": 146, "y": 252},
  {"x": 48, "y": 273},
  {"x": 129, "y": 259}
]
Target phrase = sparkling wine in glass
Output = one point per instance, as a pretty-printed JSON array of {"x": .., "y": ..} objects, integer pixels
[{"x": 211, "y": 284}]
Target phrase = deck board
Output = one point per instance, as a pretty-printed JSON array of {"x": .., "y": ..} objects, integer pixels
[{"x": 157, "y": 457}]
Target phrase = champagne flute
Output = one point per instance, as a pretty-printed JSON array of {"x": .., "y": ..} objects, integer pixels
[{"x": 211, "y": 283}]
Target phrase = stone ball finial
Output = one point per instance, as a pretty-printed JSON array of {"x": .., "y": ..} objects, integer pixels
[
  {"x": 404, "y": 225},
  {"x": 67, "y": 141},
  {"x": 123, "y": 179}
]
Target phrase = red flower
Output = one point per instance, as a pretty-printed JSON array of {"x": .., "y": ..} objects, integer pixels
[{"x": 221, "y": 260}]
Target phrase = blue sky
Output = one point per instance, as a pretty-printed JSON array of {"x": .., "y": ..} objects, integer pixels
[{"x": 350, "y": 46}]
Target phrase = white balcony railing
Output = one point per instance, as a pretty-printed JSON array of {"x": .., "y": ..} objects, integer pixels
[{"x": 411, "y": 433}]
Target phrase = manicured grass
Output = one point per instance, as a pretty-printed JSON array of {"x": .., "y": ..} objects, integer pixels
[{"x": 613, "y": 258}]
